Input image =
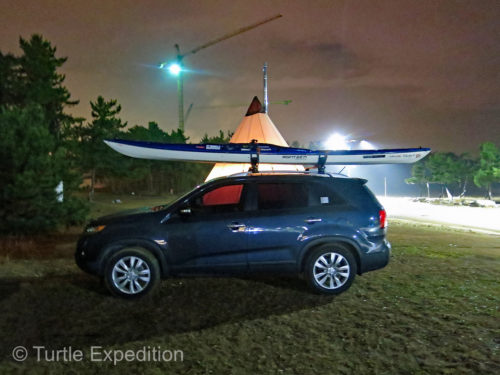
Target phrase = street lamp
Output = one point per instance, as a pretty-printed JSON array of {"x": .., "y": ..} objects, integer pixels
[
  {"x": 176, "y": 68},
  {"x": 337, "y": 142}
]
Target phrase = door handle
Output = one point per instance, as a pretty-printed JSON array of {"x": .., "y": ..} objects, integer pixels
[
  {"x": 236, "y": 227},
  {"x": 313, "y": 220}
]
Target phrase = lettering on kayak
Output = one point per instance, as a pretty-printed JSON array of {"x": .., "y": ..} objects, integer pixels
[
  {"x": 295, "y": 157},
  {"x": 213, "y": 147}
]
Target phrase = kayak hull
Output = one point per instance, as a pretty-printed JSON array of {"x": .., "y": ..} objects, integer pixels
[{"x": 266, "y": 153}]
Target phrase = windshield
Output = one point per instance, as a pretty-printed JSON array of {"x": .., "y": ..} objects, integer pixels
[{"x": 185, "y": 195}]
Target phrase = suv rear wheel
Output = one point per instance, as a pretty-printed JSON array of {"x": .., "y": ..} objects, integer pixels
[
  {"x": 131, "y": 273},
  {"x": 330, "y": 269}
]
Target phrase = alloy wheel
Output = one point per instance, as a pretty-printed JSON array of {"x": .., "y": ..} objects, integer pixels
[
  {"x": 131, "y": 274},
  {"x": 331, "y": 270}
]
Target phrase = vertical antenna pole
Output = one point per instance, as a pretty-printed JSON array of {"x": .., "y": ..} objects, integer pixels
[{"x": 266, "y": 100}]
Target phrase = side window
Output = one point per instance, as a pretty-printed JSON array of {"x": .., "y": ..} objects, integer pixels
[
  {"x": 225, "y": 195},
  {"x": 277, "y": 196},
  {"x": 227, "y": 198},
  {"x": 324, "y": 195}
]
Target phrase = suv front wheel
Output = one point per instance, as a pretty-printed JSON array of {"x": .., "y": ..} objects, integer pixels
[
  {"x": 131, "y": 273},
  {"x": 330, "y": 269}
]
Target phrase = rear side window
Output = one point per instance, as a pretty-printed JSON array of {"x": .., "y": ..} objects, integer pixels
[
  {"x": 324, "y": 195},
  {"x": 278, "y": 196},
  {"x": 355, "y": 193}
]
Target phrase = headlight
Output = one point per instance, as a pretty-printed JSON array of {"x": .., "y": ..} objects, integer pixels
[{"x": 95, "y": 229}]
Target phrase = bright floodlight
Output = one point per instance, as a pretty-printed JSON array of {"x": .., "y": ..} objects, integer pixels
[
  {"x": 365, "y": 145},
  {"x": 174, "y": 69},
  {"x": 336, "y": 142}
]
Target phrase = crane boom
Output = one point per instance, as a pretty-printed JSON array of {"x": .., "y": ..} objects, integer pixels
[{"x": 234, "y": 33}]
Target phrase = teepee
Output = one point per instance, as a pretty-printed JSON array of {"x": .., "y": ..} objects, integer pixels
[{"x": 255, "y": 125}]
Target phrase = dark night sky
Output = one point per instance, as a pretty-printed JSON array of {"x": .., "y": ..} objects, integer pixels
[{"x": 399, "y": 73}]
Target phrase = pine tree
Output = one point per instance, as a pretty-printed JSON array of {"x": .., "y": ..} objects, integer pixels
[
  {"x": 95, "y": 156},
  {"x": 420, "y": 175},
  {"x": 35, "y": 157},
  {"x": 464, "y": 168},
  {"x": 442, "y": 168},
  {"x": 30, "y": 173},
  {"x": 40, "y": 83},
  {"x": 489, "y": 167},
  {"x": 8, "y": 64}
]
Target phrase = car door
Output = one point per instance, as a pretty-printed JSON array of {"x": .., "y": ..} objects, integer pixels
[
  {"x": 208, "y": 233},
  {"x": 281, "y": 217}
]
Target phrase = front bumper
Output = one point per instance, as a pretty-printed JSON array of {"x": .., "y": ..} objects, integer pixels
[{"x": 82, "y": 257}]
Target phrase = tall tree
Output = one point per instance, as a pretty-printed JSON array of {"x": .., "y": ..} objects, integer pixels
[
  {"x": 151, "y": 170},
  {"x": 30, "y": 172},
  {"x": 464, "y": 168},
  {"x": 8, "y": 75},
  {"x": 420, "y": 175},
  {"x": 441, "y": 167},
  {"x": 489, "y": 167},
  {"x": 96, "y": 157},
  {"x": 39, "y": 82},
  {"x": 34, "y": 157}
]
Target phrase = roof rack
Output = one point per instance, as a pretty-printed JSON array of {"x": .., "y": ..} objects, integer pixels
[{"x": 308, "y": 173}]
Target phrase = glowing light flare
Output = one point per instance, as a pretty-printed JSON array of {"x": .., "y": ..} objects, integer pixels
[
  {"x": 174, "y": 69},
  {"x": 365, "y": 145},
  {"x": 337, "y": 142}
]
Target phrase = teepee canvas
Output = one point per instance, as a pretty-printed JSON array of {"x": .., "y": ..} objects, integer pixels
[{"x": 255, "y": 125}]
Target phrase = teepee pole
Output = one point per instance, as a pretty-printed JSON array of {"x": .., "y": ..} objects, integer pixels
[{"x": 266, "y": 99}]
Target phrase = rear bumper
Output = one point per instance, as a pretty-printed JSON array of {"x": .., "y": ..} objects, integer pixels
[{"x": 376, "y": 258}]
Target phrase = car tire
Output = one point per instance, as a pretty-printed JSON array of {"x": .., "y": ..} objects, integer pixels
[
  {"x": 330, "y": 269},
  {"x": 131, "y": 273}
]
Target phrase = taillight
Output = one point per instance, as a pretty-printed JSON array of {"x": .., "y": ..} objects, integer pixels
[{"x": 382, "y": 216}]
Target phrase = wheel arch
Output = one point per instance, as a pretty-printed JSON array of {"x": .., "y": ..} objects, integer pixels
[
  {"x": 114, "y": 247},
  {"x": 348, "y": 243}
]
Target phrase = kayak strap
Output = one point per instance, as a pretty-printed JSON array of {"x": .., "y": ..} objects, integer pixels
[{"x": 321, "y": 162}]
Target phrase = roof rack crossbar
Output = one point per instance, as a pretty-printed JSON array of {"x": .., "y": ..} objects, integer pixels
[{"x": 326, "y": 174}]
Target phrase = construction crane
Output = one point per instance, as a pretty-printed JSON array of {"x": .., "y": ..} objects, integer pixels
[
  {"x": 284, "y": 102},
  {"x": 176, "y": 68}
]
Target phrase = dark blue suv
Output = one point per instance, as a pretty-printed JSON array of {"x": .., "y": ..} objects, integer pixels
[{"x": 328, "y": 228}]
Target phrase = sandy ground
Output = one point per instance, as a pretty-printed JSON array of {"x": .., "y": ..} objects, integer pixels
[{"x": 474, "y": 218}]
